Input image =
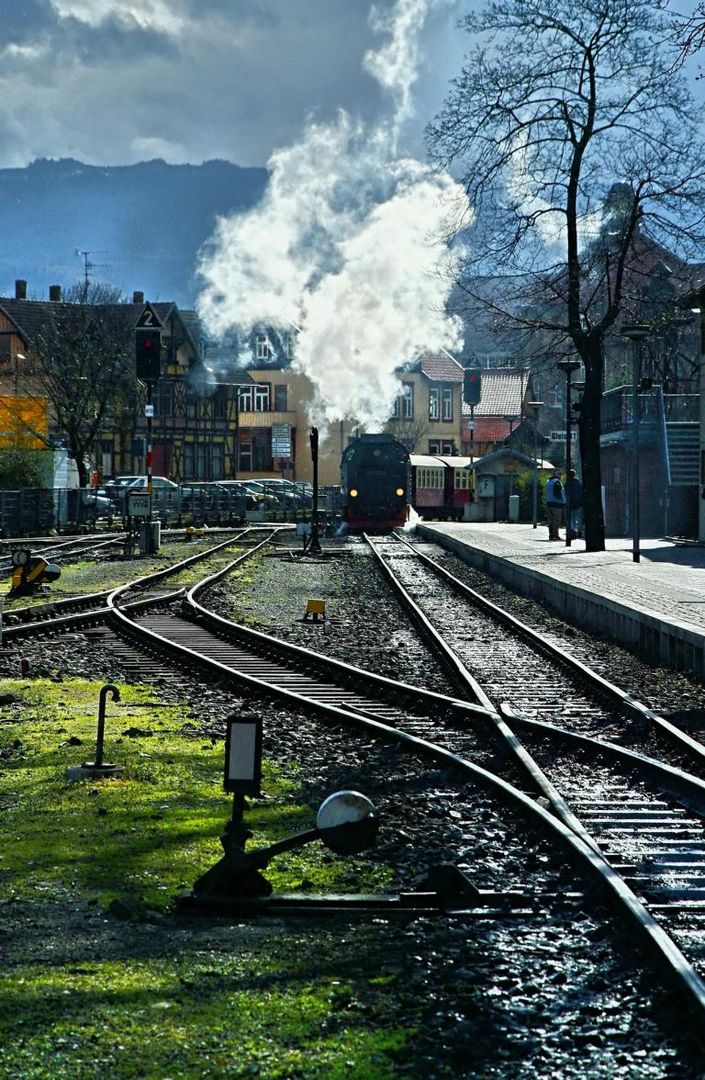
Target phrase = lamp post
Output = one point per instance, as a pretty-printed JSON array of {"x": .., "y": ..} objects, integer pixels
[
  {"x": 567, "y": 367},
  {"x": 635, "y": 332},
  {"x": 535, "y": 405}
]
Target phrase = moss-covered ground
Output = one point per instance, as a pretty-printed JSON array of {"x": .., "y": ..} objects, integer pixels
[
  {"x": 95, "y": 575},
  {"x": 181, "y": 1008}
]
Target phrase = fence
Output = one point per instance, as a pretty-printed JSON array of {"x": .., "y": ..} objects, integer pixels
[{"x": 38, "y": 512}]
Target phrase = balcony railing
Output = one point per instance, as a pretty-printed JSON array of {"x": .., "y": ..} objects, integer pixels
[{"x": 617, "y": 409}]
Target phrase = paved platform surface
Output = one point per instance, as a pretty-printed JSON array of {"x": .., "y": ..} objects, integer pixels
[{"x": 669, "y": 580}]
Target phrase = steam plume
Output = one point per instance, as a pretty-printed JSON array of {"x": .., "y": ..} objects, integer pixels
[{"x": 344, "y": 245}]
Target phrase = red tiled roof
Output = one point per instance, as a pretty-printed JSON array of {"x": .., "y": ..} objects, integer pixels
[{"x": 487, "y": 429}]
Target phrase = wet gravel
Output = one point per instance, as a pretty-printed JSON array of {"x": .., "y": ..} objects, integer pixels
[{"x": 543, "y": 993}]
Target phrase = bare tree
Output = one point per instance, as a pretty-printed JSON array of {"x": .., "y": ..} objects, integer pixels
[
  {"x": 561, "y": 104},
  {"x": 82, "y": 361},
  {"x": 690, "y": 32},
  {"x": 409, "y": 432}
]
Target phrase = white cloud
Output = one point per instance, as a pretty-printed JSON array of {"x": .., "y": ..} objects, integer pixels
[
  {"x": 148, "y": 14},
  {"x": 232, "y": 79}
]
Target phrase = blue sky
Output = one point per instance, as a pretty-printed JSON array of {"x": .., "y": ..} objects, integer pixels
[{"x": 118, "y": 81}]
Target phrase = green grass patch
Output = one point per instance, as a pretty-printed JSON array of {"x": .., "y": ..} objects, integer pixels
[
  {"x": 149, "y": 832},
  {"x": 250, "y": 1015},
  {"x": 193, "y": 1002},
  {"x": 90, "y": 575}
]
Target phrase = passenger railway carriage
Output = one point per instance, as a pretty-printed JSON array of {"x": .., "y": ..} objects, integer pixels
[
  {"x": 375, "y": 483},
  {"x": 441, "y": 487}
]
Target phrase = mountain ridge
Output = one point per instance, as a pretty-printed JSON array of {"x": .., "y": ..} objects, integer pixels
[{"x": 138, "y": 227}]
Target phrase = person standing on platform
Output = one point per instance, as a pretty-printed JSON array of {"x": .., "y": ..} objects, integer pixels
[
  {"x": 555, "y": 501},
  {"x": 574, "y": 493}
]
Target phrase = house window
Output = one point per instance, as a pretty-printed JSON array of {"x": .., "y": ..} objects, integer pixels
[
  {"x": 217, "y": 461},
  {"x": 289, "y": 345},
  {"x": 245, "y": 455},
  {"x": 191, "y": 403},
  {"x": 255, "y": 398},
  {"x": 164, "y": 398},
  {"x": 201, "y": 461},
  {"x": 280, "y": 398},
  {"x": 188, "y": 460},
  {"x": 404, "y": 403},
  {"x": 220, "y": 403},
  {"x": 263, "y": 350},
  {"x": 434, "y": 403},
  {"x": 447, "y": 403},
  {"x": 434, "y": 447},
  {"x": 447, "y": 448}
]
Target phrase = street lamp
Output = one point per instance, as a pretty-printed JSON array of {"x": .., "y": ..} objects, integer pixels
[
  {"x": 567, "y": 367},
  {"x": 535, "y": 405},
  {"x": 635, "y": 332}
]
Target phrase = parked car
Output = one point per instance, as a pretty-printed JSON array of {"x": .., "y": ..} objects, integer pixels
[
  {"x": 289, "y": 492},
  {"x": 115, "y": 489},
  {"x": 87, "y": 505},
  {"x": 240, "y": 490},
  {"x": 258, "y": 489},
  {"x": 165, "y": 492}
]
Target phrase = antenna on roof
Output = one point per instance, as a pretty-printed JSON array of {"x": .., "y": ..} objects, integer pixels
[{"x": 87, "y": 265}]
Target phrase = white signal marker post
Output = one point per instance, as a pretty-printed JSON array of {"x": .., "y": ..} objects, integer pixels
[{"x": 148, "y": 363}]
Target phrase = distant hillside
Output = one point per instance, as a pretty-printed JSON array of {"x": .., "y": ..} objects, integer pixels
[{"x": 142, "y": 225}]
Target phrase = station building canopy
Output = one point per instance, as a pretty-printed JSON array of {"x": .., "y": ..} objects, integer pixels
[{"x": 429, "y": 461}]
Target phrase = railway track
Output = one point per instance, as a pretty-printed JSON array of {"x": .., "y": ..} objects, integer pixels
[
  {"x": 644, "y": 816},
  {"x": 460, "y": 733},
  {"x": 92, "y": 607}
]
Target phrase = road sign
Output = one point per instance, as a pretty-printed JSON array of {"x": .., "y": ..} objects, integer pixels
[
  {"x": 281, "y": 440},
  {"x": 562, "y": 436},
  {"x": 138, "y": 504},
  {"x": 148, "y": 320}
]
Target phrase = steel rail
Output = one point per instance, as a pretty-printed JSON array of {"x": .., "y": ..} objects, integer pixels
[
  {"x": 628, "y": 704},
  {"x": 673, "y": 779},
  {"x": 657, "y": 943},
  {"x": 47, "y": 624},
  {"x": 285, "y": 664}
]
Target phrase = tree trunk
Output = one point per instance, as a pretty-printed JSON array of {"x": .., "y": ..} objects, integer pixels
[
  {"x": 82, "y": 471},
  {"x": 589, "y": 431}
]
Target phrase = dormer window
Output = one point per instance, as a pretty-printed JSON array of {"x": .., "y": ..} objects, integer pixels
[{"x": 263, "y": 349}]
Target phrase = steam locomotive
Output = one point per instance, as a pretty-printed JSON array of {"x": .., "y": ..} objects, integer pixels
[{"x": 375, "y": 480}]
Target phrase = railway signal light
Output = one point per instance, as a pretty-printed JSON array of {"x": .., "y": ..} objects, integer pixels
[
  {"x": 148, "y": 354},
  {"x": 472, "y": 386}
]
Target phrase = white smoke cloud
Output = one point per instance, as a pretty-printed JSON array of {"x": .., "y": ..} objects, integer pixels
[
  {"x": 395, "y": 65},
  {"x": 344, "y": 246}
]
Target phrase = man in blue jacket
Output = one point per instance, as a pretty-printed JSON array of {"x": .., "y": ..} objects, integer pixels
[{"x": 555, "y": 501}]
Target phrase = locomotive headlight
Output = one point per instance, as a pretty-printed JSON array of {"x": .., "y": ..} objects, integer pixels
[
  {"x": 353, "y": 493},
  {"x": 400, "y": 491}
]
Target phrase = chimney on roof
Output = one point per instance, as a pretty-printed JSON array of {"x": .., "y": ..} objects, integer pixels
[
  {"x": 20, "y": 289},
  {"x": 138, "y": 298},
  {"x": 55, "y": 294}
]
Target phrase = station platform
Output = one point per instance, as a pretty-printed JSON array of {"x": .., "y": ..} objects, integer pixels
[{"x": 655, "y": 606}]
